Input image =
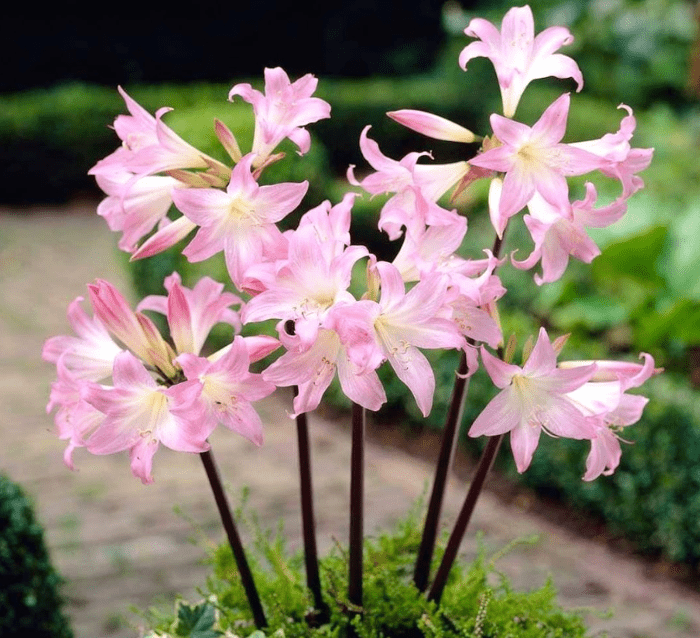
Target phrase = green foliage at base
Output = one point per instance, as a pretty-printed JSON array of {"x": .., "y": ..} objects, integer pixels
[
  {"x": 30, "y": 603},
  {"x": 478, "y": 601}
]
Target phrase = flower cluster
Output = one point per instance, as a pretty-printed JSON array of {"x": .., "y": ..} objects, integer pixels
[
  {"x": 429, "y": 296},
  {"x": 159, "y": 393}
]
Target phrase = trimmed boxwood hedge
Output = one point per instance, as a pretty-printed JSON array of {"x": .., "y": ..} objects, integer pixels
[{"x": 30, "y": 599}]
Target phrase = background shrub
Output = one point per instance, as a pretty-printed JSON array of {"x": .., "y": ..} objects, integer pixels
[{"x": 30, "y": 599}]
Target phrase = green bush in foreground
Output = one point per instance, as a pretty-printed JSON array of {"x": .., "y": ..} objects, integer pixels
[
  {"x": 30, "y": 602},
  {"x": 478, "y": 601}
]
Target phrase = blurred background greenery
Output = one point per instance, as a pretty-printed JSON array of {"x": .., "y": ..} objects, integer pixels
[{"x": 641, "y": 294}]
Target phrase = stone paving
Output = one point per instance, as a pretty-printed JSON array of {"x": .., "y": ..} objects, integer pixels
[{"x": 119, "y": 543}]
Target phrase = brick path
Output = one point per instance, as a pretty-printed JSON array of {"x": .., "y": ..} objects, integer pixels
[{"x": 120, "y": 544}]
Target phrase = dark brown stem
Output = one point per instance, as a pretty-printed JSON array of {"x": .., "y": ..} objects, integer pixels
[
  {"x": 465, "y": 514},
  {"x": 233, "y": 538},
  {"x": 357, "y": 479},
  {"x": 447, "y": 447},
  {"x": 313, "y": 579},
  {"x": 444, "y": 463}
]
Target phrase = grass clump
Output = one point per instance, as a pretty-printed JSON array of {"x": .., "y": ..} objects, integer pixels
[{"x": 478, "y": 601}]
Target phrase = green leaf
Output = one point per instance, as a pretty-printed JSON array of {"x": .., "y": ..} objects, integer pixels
[
  {"x": 594, "y": 313},
  {"x": 196, "y": 621},
  {"x": 634, "y": 258},
  {"x": 681, "y": 266}
]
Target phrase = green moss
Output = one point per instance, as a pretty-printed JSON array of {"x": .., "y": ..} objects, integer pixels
[{"x": 478, "y": 601}]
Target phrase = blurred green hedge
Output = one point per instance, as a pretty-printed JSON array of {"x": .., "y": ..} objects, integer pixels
[{"x": 49, "y": 138}]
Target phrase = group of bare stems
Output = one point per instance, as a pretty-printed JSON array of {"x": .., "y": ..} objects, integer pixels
[{"x": 426, "y": 549}]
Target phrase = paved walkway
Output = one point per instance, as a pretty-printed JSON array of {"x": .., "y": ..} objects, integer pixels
[{"x": 119, "y": 543}]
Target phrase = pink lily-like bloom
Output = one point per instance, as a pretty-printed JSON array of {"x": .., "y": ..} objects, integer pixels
[
  {"x": 534, "y": 161},
  {"x": 307, "y": 284},
  {"x": 140, "y": 414},
  {"x": 90, "y": 354},
  {"x": 604, "y": 400},
  {"x": 193, "y": 312},
  {"x": 134, "y": 204},
  {"x": 228, "y": 388},
  {"x": 533, "y": 398},
  {"x": 149, "y": 145},
  {"x": 622, "y": 162},
  {"x": 136, "y": 331},
  {"x": 404, "y": 321},
  {"x": 556, "y": 238},
  {"x": 75, "y": 418},
  {"x": 417, "y": 187},
  {"x": 282, "y": 111},
  {"x": 240, "y": 221},
  {"x": 518, "y": 56},
  {"x": 346, "y": 346},
  {"x": 393, "y": 176}
]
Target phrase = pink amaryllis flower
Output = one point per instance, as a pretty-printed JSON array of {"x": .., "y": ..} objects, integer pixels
[
  {"x": 404, "y": 321},
  {"x": 136, "y": 331},
  {"x": 609, "y": 408},
  {"x": 518, "y": 55},
  {"x": 193, "y": 312},
  {"x": 228, "y": 388},
  {"x": 149, "y": 146},
  {"x": 534, "y": 161},
  {"x": 344, "y": 345},
  {"x": 134, "y": 205},
  {"x": 533, "y": 398},
  {"x": 393, "y": 176},
  {"x": 307, "y": 284},
  {"x": 240, "y": 221},
  {"x": 87, "y": 355},
  {"x": 282, "y": 111},
  {"x": 139, "y": 415},
  {"x": 556, "y": 238}
]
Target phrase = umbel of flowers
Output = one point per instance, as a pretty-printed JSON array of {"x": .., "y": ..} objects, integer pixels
[{"x": 122, "y": 386}]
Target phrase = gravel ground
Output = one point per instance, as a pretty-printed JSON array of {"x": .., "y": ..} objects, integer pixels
[{"x": 119, "y": 543}]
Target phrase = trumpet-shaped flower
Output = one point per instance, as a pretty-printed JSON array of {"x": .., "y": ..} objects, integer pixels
[
  {"x": 307, "y": 284},
  {"x": 535, "y": 161},
  {"x": 136, "y": 331},
  {"x": 312, "y": 369},
  {"x": 282, "y": 111},
  {"x": 404, "y": 321},
  {"x": 240, "y": 221},
  {"x": 532, "y": 398},
  {"x": 149, "y": 145},
  {"x": 518, "y": 55},
  {"x": 193, "y": 312},
  {"x": 228, "y": 388},
  {"x": 139, "y": 415},
  {"x": 90, "y": 354},
  {"x": 134, "y": 204},
  {"x": 605, "y": 402}
]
